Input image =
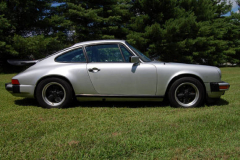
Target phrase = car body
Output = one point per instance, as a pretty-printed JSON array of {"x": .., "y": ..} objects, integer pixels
[{"x": 113, "y": 69}]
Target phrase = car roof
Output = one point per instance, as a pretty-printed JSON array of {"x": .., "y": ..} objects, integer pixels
[{"x": 99, "y": 41}]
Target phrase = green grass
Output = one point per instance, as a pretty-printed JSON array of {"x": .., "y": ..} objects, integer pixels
[{"x": 120, "y": 130}]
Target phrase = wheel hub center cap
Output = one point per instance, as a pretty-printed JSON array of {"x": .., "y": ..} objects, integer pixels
[
  {"x": 186, "y": 93},
  {"x": 54, "y": 94}
]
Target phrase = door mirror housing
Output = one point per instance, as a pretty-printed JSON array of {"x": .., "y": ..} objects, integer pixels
[{"x": 134, "y": 59}]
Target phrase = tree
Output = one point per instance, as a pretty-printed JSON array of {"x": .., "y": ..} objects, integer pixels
[
  {"x": 233, "y": 37},
  {"x": 6, "y": 28},
  {"x": 187, "y": 31},
  {"x": 94, "y": 19},
  {"x": 190, "y": 31},
  {"x": 26, "y": 29}
]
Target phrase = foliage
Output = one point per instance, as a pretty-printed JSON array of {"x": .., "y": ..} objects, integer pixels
[
  {"x": 190, "y": 31},
  {"x": 35, "y": 46},
  {"x": 25, "y": 30},
  {"x": 96, "y": 19},
  {"x": 5, "y": 33},
  {"x": 121, "y": 130},
  {"x": 193, "y": 31}
]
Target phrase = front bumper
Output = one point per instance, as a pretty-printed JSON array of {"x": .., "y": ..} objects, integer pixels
[
  {"x": 216, "y": 89},
  {"x": 219, "y": 86}
]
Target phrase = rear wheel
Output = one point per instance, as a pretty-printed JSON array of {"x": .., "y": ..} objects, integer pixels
[
  {"x": 186, "y": 92},
  {"x": 54, "y": 93}
]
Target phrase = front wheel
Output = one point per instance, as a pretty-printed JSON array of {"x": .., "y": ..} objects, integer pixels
[
  {"x": 186, "y": 92},
  {"x": 54, "y": 93}
]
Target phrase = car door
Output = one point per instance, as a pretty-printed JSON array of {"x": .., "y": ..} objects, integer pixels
[{"x": 112, "y": 74}]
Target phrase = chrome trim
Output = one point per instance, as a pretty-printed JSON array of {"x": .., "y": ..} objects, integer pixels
[{"x": 224, "y": 84}]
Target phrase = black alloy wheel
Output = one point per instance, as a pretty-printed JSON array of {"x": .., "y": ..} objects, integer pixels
[
  {"x": 54, "y": 93},
  {"x": 186, "y": 92}
]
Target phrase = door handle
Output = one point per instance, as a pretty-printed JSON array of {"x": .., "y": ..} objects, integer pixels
[{"x": 93, "y": 69}]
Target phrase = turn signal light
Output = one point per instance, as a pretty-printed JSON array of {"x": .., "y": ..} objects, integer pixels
[
  {"x": 15, "y": 81},
  {"x": 224, "y": 87}
]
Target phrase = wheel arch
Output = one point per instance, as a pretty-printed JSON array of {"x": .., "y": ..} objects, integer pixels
[
  {"x": 181, "y": 76},
  {"x": 53, "y": 76}
]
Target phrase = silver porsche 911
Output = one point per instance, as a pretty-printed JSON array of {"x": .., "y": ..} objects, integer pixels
[{"x": 114, "y": 70}]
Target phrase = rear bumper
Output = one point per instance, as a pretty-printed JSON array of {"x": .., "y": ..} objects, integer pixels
[
  {"x": 20, "y": 90},
  {"x": 216, "y": 89},
  {"x": 13, "y": 88}
]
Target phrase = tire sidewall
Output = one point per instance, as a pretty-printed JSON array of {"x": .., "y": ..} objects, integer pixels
[
  {"x": 65, "y": 85},
  {"x": 174, "y": 86}
]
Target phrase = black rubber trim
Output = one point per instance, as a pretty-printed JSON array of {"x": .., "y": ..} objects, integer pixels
[
  {"x": 16, "y": 88},
  {"x": 214, "y": 86},
  {"x": 118, "y": 96}
]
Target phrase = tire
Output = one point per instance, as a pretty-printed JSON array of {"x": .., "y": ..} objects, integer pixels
[
  {"x": 186, "y": 92},
  {"x": 54, "y": 93}
]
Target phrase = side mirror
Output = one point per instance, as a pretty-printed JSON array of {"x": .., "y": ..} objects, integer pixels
[{"x": 134, "y": 59}]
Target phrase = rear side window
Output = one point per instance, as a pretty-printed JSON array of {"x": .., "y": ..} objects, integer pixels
[{"x": 76, "y": 55}]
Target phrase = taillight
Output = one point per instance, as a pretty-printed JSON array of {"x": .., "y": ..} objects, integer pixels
[{"x": 15, "y": 81}]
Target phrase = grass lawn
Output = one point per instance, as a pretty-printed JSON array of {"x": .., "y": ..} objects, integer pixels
[{"x": 117, "y": 130}]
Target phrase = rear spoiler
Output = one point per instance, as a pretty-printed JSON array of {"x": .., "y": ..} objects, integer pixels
[{"x": 22, "y": 62}]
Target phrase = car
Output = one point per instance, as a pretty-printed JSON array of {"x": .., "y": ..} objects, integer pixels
[{"x": 114, "y": 70}]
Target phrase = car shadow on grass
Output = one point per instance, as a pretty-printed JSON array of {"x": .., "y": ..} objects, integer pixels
[
  {"x": 220, "y": 102},
  {"x": 27, "y": 102},
  {"x": 75, "y": 104},
  {"x": 120, "y": 104}
]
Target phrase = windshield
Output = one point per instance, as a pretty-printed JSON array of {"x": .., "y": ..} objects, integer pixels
[{"x": 140, "y": 54}]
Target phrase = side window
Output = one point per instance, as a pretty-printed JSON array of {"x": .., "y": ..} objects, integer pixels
[
  {"x": 125, "y": 53},
  {"x": 72, "y": 56},
  {"x": 104, "y": 53}
]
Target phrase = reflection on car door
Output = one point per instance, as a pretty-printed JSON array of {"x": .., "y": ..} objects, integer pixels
[{"x": 112, "y": 75}]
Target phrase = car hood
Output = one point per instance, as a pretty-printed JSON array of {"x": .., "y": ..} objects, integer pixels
[
  {"x": 183, "y": 65},
  {"x": 203, "y": 71}
]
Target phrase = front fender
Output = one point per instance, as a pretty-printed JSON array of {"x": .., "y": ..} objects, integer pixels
[{"x": 168, "y": 72}]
